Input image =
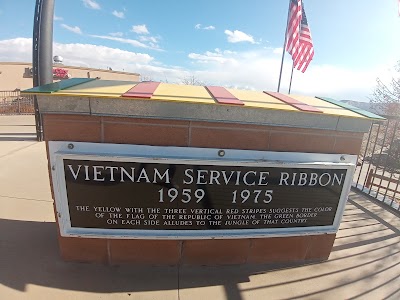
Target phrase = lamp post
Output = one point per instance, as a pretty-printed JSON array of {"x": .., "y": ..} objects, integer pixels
[{"x": 42, "y": 52}]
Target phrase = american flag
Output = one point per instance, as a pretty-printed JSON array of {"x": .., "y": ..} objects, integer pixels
[
  {"x": 293, "y": 26},
  {"x": 305, "y": 52}
]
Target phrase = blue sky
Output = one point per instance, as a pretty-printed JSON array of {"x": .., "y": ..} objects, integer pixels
[{"x": 220, "y": 42}]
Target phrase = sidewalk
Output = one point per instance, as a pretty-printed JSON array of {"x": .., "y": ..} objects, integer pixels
[{"x": 364, "y": 263}]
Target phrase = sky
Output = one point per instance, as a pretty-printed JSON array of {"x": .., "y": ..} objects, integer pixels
[{"x": 230, "y": 43}]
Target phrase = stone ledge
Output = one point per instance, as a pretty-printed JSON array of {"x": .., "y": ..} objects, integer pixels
[{"x": 198, "y": 112}]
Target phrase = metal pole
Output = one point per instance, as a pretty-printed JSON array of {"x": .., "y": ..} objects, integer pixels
[
  {"x": 373, "y": 152},
  {"x": 365, "y": 153},
  {"x": 291, "y": 77},
  {"x": 283, "y": 50},
  {"x": 42, "y": 52}
]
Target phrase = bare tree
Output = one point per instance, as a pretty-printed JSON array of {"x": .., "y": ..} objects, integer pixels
[
  {"x": 385, "y": 98},
  {"x": 191, "y": 80}
]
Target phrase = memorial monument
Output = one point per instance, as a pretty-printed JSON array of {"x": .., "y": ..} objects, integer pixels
[{"x": 155, "y": 173}]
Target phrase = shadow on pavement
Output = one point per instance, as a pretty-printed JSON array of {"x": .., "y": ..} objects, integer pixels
[
  {"x": 29, "y": 255},
  {"x": 17, "y": 138},
  {"x": 10, "y": 132}
]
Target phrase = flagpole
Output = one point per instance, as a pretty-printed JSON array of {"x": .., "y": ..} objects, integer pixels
[
  {"x": 291, "y": 76},
  {"x": 283, "y": 50}
]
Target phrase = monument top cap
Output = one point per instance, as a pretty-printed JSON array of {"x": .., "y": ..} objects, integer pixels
[{"x": 166, "y": 92}]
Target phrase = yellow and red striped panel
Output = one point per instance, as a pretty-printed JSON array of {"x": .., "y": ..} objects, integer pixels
[{"x": 156, "y": 91}]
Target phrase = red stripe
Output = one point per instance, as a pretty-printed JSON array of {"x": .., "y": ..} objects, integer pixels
[
  {"x": 293, "y": 26},
  {"x": 301, "y": 55},
  {"x": 308, "y": 62},
  {"x": 307, "y": 53},
  {"x": 142, "y": 90},
  {"x": 293, "y": 102},
  {"x": 300, "y": 45},
  {"x": 304, "y": 57},
  {"x": 222, "y": 96},
  {"x": 296, "y": 56}
]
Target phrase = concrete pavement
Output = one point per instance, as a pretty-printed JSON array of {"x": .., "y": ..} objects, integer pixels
[{"x": 364, "y": 264}]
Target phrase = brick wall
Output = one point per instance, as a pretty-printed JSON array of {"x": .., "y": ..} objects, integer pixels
[{"x": 198, "y": 134}]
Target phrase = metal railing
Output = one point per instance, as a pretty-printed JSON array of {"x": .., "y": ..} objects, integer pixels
[
  {"x": 378, "y": 168},
  {"x": 12, "y": 103}
]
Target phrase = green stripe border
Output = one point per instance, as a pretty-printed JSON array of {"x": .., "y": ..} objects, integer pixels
[
  {"x": 352, "y": 108},
  {"x": 57, "y": 86}
]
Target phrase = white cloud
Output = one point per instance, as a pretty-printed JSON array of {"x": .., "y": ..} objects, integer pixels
[
  {"x": 335, "y": 82},
  {"x": 204, "y": 58},
  {"x": 134, "y": 43},
  {"x": 199, "y": 26},
  {"x": 93, "y": 56},
  {"x": 278, "y": 51},
  {"x": 210, "y": 57},
  {"x": 257, "y": 70},
  {"x": 56, "y": 18},
  {"x": 91, "y": 4},
  {"x": 151, "y": 39},
  {"x": 209, "y": 27},
  {"x": 119, "y": 14},
  {"x": 74, "y": 29},
  {"x": 238, "y": 36},
  {"x": 140, "y": 29},
  {"x": 226, "y": 52},
  {"x": 116, "y": 34},
  {"x": 20, "y": 49}
]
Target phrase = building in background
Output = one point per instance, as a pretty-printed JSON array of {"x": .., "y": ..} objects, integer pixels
[{"x": 18, "y": 75}]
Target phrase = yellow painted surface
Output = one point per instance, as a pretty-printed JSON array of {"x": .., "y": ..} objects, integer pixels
[
  {"x": 326, "y": 107},
  {"x": 184, "y": 93},
  {"x": 260, "y": 99},
  {"x": 98, "y": 88},
  {"x": 199, "y": 94}
]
